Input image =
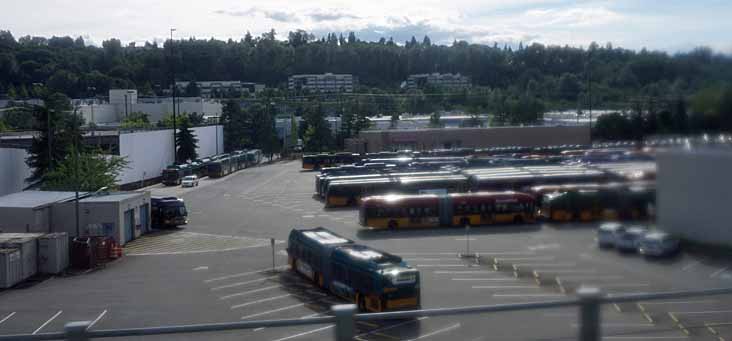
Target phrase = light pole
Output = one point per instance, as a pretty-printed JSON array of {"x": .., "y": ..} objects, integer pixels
[
  {"x": 589, "y": 88},
  {"x": 172, "y": 81}
]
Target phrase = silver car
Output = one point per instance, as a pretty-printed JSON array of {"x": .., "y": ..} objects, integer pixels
[
  {"x": 659, "y": 244},
  {"x": 628, "y": 239},
  {"x": 606, "y": 234},
  {"x": 189, "y": 181}
]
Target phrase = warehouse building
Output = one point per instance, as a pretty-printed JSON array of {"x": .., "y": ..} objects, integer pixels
[
  {"x": 123, "y": 216},
  {"x": 448, "y": 138}
]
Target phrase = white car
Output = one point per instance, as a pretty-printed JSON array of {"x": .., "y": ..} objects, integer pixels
[
  {"x": 189, "y": 181},
  {"x": 628, "y": 240},
  {"x": 606, "y": 234},
  {"x": 659, "y": 244}
]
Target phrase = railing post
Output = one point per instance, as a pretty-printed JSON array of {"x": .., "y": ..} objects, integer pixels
[
  {"x": 76, "y": 331},
  {"x": 345, "y": 324},
  {"x": 589, "y": 313}
]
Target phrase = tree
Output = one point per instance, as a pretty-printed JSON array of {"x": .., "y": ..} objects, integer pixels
[
  {"x": 237, "y": 126},
  {"x": 317, "y": 135},
  {"x": 613, "y": 126},
  {"x": 569, "y": 87},
  {"x": 87, "y": 172},
  {"x": 136, "y": 120},
  {"x": 474, "y": 120},
  {"x": 435, "y": 121},
  {"x": 19, "y": 118},
  {"x": 196, "y": 119},
  {"x": 192, "y": 90},
  {"x": 679, "y": 116},
  {"x": 186, "y": 143},
  {"x": 58, "y": 128},
  {"x": 167, "y": 120}
]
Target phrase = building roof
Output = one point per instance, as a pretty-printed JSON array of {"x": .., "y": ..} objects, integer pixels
[
  {"x": 34, "y": 199},
  {"x": 113, "y": 197}
]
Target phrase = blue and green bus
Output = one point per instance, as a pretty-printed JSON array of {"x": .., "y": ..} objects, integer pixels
[{"x": 375, "y": 280}]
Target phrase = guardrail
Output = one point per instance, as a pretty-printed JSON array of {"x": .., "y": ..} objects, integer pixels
[{"x": 344, "y": 317}]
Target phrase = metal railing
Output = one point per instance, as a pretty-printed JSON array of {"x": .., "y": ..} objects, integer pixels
[{"x": 344, "y": 317}]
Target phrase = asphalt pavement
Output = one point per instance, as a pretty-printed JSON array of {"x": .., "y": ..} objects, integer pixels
[{"x": 219, "y": 268}]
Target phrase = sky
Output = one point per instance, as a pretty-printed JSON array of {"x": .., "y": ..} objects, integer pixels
[{"x": 668, "y": 25}]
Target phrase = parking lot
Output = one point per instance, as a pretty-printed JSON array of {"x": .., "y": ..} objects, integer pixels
[{"x": 219, "y": 269}]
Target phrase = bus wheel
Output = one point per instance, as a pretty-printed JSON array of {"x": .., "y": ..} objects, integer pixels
[
  {"x": 393, "y": 225},
  {"x": 518, "y": 219},
  {"x": 319, "y": 280},
  {"x": 464, "y": 222}
]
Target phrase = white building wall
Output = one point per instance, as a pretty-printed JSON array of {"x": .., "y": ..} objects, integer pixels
[
  {"x": 101, "y": 113},
  {"x": 13, "y": 170},
  {"x": 150, "y": 152},
  {"x": 693, "y": 194}
]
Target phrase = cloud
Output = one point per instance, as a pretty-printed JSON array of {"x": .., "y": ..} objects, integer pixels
[
  {"x": 571, "y": 17},
  {"x": 280, "y": 16},
  {"x": 332, "y": 15}
]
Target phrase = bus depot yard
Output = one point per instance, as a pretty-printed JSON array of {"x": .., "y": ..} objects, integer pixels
[{"x": 193, "y": 276}]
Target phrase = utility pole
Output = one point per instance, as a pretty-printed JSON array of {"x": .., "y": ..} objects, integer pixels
[
  {"x": 589, "y": 89},
  {"x": 172, "y": 79},
  {"x": 76, "y": 171}
]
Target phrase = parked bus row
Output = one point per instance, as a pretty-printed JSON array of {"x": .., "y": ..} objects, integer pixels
[
  {"x": 583, "y": 202},
  {"x": 374, "y": 280},
  {"x": 214, "y": 166}
]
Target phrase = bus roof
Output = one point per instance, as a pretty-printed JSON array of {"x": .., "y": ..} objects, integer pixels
[
  {"x": 366, "y": 256},
  {"x": 322, "y": 236}
]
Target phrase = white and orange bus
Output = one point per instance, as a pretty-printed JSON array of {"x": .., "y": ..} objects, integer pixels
[{"x": 457, "y": 209}]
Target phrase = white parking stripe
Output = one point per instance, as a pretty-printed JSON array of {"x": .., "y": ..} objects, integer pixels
[
  {"x": 718, "y": 272},
  {"x": 259, "y": 301},
  {"x": 701, "y": 312},
  {"x": 505, "y": 287},
  {"x": 47, "y": 322},
  {"x": 238, "y": 284},
  {"x": 241, "y": 274},
  {"x": 681, "y": 302},
  {"x": 248, "y": 292},
  {"x": 391, "y": 326},
  {"x": 524, "y": 259},
  {"x": 589, "y": 278},
  {"x": 7, "y": 317},
  {"x": 576, "y": 271},
  {"x": 454, "y": 326},
  {"x": 529, "y": 295},
  {"x": 98, "y": 318},
  {"x": 305, "y": 333},
  {"x": 275, "y": 310},
  {"x": 506, "y": 279},
  {"x": 440, "y": 265},
  {"x": 461, "y": 272},
  {"x": 690, "y": 265},
  {"x": 631, "y": 337},
  {"x": 547, "y": 265}
]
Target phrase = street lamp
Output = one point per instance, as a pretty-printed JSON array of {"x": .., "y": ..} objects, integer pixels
[{"x": 172, "y": 81}]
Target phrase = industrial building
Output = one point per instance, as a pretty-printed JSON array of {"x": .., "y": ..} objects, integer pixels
[
  {"x": 425, "y": 139},
  {"x": 123, "y": 216},
  {"x": 211, "y": 89},
  {"x": 327, "y": 82},
  {"x": 447, "y": 81},
  {"x": 694, "y": 192}
]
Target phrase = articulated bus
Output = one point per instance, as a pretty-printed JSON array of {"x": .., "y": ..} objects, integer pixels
[
  {"x": 610, "y": 202},
  {"x": 324, "y": 182},
  {"x": 459, "y": 209},
  {"x": 375, "y": 280},
  {"x": 348, "y": 192},
  {"x": 318, "y": 161}
]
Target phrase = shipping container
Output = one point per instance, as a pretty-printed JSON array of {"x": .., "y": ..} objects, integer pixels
[
  {"x": 53, "y": 253},
  {"x": 28, "y": 246},
  {"x": 11, "y": 268}
]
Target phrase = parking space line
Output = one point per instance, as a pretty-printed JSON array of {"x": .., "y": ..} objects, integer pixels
[
  {"x": 283, "y": 308},
  {"x": 586, "y": 278},
  {"x": 449, "y": 328},
  {"x": 461, "y": 272},
  {"x": 505, "y": 279},
  {"x": 260, "y": 301},
  {"x": 524, "y": 259},
  {"x": 547, "y": 265},
  {"x": 7, "y": 317},
  {"x": 241, "y": 274},
  {"x": 305, "y": 333},
  {"x": 47, "y": 322},
  {"x": 391, "y": 326},
  {"x": 574, "y": 271},
  {"x": 226, "y": 297},
  {"x": 632, "y": 337},
  {"x": 529, "y": 295},
  {"x": 238, "y": 284},
  {"x": 718, "y": 272},
  {"x": 681, "y": 302},
  {"x": 505, "y": 287},
  {"x": 700, "y": 312},
  {"x": 690, "y": 265},
  {"x": 440, "y": 265},
  {"x": 98, "y": 318}
]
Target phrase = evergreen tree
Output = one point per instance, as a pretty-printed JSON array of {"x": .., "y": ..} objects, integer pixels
[
  {"x": 236, "y": 124},
  {"x": 318, "y": 134},
  {"x": 186, "y": 143},
  {"x": 192, "y": 90},
  {"x": 435, "y": 121},
  {"x": 58, "y": 128}
]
